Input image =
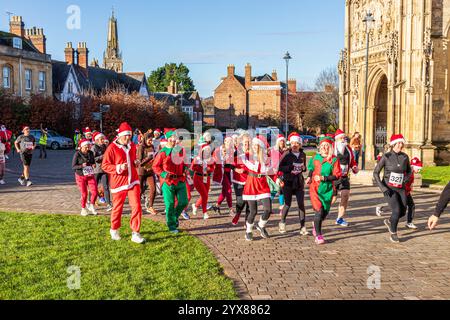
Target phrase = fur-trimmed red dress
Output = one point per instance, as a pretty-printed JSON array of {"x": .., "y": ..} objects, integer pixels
[{"x": 256, "y": 186}]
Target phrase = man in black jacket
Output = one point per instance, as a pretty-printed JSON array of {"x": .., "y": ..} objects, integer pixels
[{"x": 440, "y": 207}]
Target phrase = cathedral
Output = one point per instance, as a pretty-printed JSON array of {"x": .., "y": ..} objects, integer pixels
[
  {"x": 112, "y": 57},
  {"x": 408, "y": 76}
]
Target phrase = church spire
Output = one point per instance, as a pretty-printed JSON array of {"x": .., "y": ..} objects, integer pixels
[{"x": 112, "y": 58}]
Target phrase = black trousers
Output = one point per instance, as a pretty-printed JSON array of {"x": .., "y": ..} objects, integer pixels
[
  {"x": 443, "y": 201},
  {"x": 411, "y": 207},
  {"x": 42, "y": 151},
  {"x": 102, "y": 178},
  {"x": 319, "y": 217},
  {"x": 240, "y": 203},
  {"x": 398, "y": 204},
  {"x": 267, "y": 205},
  {"x": 288, "y": 193}
]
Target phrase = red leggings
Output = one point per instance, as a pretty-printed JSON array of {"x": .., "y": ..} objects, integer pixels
[
  {"x": 226, "y": 191},
  {"x": 203, "y": 189},
  {"x": 83, "y": 184}
]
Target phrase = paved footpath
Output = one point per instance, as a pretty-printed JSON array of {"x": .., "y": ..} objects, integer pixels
[{"x": 286, "y": 266}]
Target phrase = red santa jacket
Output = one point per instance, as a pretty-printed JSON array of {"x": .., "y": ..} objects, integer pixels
[
  {"x": 223, "y": 164},
  {"x": 240, "y": 178},
  {"x": 114, "y": 156},
  {"x": 171, "y": 170},
  {"x": 256, "y": 185},
  {"x": 409, "y": 185}
]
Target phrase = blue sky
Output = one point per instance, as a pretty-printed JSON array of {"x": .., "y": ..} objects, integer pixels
[{"x": 207, "y": 35}]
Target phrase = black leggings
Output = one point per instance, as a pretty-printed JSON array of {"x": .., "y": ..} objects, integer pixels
[
  {"x": 443, "y": 201},
  {"x": 42, "y": 151},
  {"x": 103, "y": 179},
  {"x": 240, "y": 203},
  {"x": 267, "y": 204},
  {"x": 319, "y": 217},
  {"x": 411, "y": 208},
  {"x": 398, "y": 207},
  {"x": 300, "y": 195}
]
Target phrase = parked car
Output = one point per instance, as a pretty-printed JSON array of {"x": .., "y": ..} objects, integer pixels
[
  {"x": 309, "y": 141},
  {"x": 55, "y": 141}
]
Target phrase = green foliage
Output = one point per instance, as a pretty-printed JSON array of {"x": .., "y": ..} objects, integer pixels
[
  {"x": 436, "y": 175},
  {"x": 37, "y": 251},
  {"x": 160, "y": 78}
]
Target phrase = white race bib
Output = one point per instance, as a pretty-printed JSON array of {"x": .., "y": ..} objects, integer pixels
[
  {"x": 28, "y": 145},
  {"x": 88, "y": 171},
  {"x": 396, "y": 180},
  {"x": 344, "y": 169},
  {"x": 2, "y": 159},
  {"x": 297, "y": 167}
]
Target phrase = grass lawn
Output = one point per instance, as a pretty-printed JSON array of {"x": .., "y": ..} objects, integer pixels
[
  {"x": 37, "y": 250},
  {"x": 436, "y": 175}
]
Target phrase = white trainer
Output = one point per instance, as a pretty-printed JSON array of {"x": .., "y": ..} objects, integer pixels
[
  {"x": 137, "y": 238},
  {"x": 2, "y": 182},
  {"x": 205, "y": 216},
  {"x": 29, "y": 183},
  {"x": 379, "y": 211},
  {"x": 411, "y": 226},
  {"x": 21, "y": 181},
  {"x": 92, "y": 210},
  {"x": 194, "y": 210},
  {"x": 304, "y": 232},
  {"x": 282, "y": 227},
  {"x": 84, "y": 212},
  {"x": 115, "y": 235}
]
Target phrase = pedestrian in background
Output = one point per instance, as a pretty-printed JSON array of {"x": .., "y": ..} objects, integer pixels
[{"x": 43, "y": 143}]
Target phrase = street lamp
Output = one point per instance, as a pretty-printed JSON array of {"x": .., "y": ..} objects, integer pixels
[
  {"x": 287, "y": 57},
  {"x": 369, "y": 21},
  {"x": 229, "y": 109}
]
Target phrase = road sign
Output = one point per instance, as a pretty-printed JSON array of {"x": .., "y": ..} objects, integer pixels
[
  {"x": 97, "y": 116},
  {"x": 105, "y": 108}
]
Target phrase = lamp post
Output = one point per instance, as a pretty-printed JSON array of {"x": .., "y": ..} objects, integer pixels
[
  {"x": 229, "y": 109},
  {"x": 287, "y": 57},
  {"x": 368, "y": 20}
]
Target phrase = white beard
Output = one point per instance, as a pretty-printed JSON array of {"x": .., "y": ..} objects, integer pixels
[{"x": 340, "y": 147}]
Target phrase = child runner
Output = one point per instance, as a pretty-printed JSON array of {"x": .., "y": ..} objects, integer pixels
[
  {"x": 397, "y": 174},
  {"x": 256, "y": 187},
  {"x": 292, "y": 166},
  {"x": 324, "y": 170},
  {"x": 83, "y": 164},
  {"x": 25, "y": 145},
  {"x": 101, "y": 177}
]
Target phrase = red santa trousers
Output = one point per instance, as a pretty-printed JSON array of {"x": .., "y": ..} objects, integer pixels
[
  {"x": 203, "y": 189},
  {"x": 83, "y": 183},
  {"x": 134, "y": 198}
]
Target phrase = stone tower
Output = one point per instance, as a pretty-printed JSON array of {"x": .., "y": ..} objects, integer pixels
[{"x": 112, "y": 58}]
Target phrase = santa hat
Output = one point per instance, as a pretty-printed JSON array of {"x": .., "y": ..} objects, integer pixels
[
  {"x": 295, "y": 137},
  {"x": 77, "y": 130},
  {"x": 207, "y": 137},
  {"x": 124, "y": 130},
  {"x": 163, "y": 143},
  {"x": 166, "y": 130},
  {"x": 84, "y": 142},
  {"x": 339, "y": 134},
  {"x": 326, "y": 139},
  {"x": 261, "y": 141},
  {"x": 87, "y": 130},
  {"x": 416, "y": 163},
  {"x": 280, "y": 138},
  {"x": 157, "y": 131},
  {"x": 397, "y": 138},
  {"x": 97, "y": 135}
]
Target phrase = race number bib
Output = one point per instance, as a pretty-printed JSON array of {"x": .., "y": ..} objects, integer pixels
[
  {"x": 88, "y": 171},
  {"x": 344, "y": 169},
  {"x": 2, "y": 159},
  {"x": 189, "y": 180},
  {"x": 396, "y": 180},
  {"x": 297, "y": 167},
  {"x": 28, "y": 145}
]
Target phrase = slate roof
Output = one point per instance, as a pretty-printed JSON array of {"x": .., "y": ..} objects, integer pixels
[
  {"x": 189, "y": 98},
  {"x": 6, "y": 39}
]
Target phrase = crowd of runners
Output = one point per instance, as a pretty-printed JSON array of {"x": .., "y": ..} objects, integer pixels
[{"x": 142, "y": 166}]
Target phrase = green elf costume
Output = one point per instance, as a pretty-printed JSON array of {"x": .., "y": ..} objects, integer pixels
[
  {"x": 170, "y": 166},
  {"x": 321, "y": 192}
]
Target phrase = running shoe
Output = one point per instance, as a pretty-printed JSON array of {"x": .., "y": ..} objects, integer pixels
[
  {"x": 263, "y": 232},
  {"x": 151, "y": 211},
  {"x": 194, "y": 210},
  {"x": 102, "y": 201},
  {"x": 137, "y": 238},
  {"x": 91, "y": 208},
  {"x": 387, "y": 223},
  {"x": 29, "y": 183},
  {"x": 114, "y": 235},
  {"x": 84, "y": 212},
  {"x": 411, "y": 226},
  {"x": 2, "y": 182},
  {"x": 304, "y": 232},
  {"x": 216, "y": 210},
  {"x": 394, "y": 238},
  {"x": 205, "y": 216},
  {"x": 175, "y": 232},
  {"x": 282, "y": 227},
  {"x": 109, "y": 208},
  {"x": 232, "y": 213},
  {"x": 236, "y": 219},
  {"x": 21, "y": 181},
  {"x": 341, "y": 222},
  {"x": 209, "y": 207},
  {"x": 379, "y": 211},
  {"x": 185, "y": 215},
  {"x": 320, "y": 240},
  {"x": 249, "y": 236}
]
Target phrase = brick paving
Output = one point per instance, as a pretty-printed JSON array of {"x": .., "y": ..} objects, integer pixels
[{"x": 286, "y": 266}]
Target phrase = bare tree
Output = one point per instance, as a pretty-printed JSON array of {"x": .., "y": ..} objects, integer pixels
[{"x": 327, "y": 84}]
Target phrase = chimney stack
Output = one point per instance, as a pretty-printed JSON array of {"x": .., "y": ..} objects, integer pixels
[
  {"x": 292, "y": 86},
  {"x": 37, "y": 38},
  {"x": 69, "y": 53},
  {"x": 16, "y": 26},
  {"x": 248, "y": 76},
  {"x": 274, "y": 75},
  {"x": 231, "y": 70},
  {"x": 83, "y": 56}
]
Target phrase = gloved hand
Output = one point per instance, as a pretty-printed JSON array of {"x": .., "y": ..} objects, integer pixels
[{"x": 388, "y": 193}]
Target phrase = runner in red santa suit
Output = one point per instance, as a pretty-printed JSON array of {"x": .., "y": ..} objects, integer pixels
[
  {"x": 203, "y": 167},
  {"x": 256, "y": 187},
  {"x": 87, "y": 134},
  {"x": 348, "y": 163},
  {"x": 5, "y": 136},
  {"x": 224, "y": 159},
  {"x": 119, "y": 161},
  {"x": 239, "y": 175}
]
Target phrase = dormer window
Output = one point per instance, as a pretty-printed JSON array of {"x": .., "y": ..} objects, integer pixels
[{"x": 17, "y": 43}]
